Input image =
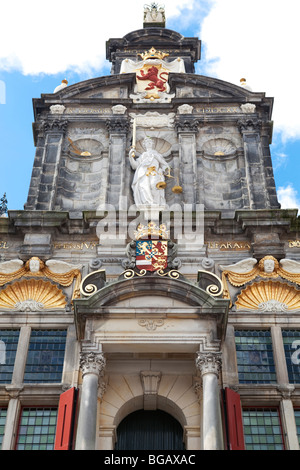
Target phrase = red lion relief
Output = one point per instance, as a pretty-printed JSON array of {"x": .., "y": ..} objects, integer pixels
[{"x": 156, "y": 80}]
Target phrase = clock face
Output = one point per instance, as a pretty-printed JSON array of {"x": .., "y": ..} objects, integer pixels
[{"x": 84, "y": 147}]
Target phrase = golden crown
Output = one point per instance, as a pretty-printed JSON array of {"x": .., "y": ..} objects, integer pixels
[
  {"x": 153, "y": 54},
  {"x": 151, "y": 230}
]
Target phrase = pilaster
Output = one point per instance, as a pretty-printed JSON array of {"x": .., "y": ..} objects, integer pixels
[
  {"x": 255, "y": 171},
  {"x": 51, "y": 133},
  {"x": 187, "y": 128},
  {"x": 118, "y": 127}
]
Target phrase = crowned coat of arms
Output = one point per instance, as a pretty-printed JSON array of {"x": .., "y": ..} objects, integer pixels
[
  {"x": 152, "y": 73},
  {"x": 151, "y": 252},
  {"x": 151, "y": 255}
]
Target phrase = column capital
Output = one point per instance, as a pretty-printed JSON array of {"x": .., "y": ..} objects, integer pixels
[
  {"x": 92, "y": 363},
  {"x": 53, "y": 125},
  {"x": 249, "y": 125},
  {"x": 209, "y": 363},
  {"x": 117, "y": 125},
  {"x": 187, "y": 124}
]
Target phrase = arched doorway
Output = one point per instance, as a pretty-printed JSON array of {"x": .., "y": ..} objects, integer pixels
[{"x": 149, "y": 430}]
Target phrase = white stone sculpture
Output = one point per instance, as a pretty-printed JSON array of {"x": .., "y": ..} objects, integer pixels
[
  {"x": 57, "y": 109},
  {"x": 119, "y": 109},
  {"x": 63, "y": 85},
  {"x": 290, "y": 265},
  {"x": 248, "y": 108},
  {"x": 61, "y": 267},
  {"x": 154, "y": 13},
  {"x": 7, "y": 267},
  {"x": 240, "y": 267},
  {"x": 149, "y": 174},
  {"x": 185, "y": 109}
]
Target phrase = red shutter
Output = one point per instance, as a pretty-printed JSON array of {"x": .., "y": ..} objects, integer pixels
[
  {"x": 234, "y": 420},
  {"x": 65, "y": 420}
]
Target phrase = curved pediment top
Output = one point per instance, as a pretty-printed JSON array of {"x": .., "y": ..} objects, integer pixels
[
  {"x": 215, "y": 87},
  {"x": 173, "y": 289},
  {"x": 198, "y": 86},
  {"x": 153, "y": 33},
  {"x": 90, "y": 86}
]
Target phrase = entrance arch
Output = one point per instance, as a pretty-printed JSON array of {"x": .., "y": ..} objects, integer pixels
[{"x": 149, "y": 430}]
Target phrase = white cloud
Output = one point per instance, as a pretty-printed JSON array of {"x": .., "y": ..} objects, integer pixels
[
  {"x": 258, "y": 41},
  {"x": 280, "y": 159},
  {"x": 288, "y": 197},
  {"x": 51, "y": 37}
]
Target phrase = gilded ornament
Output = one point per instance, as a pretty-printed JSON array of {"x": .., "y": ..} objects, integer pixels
[
  {"x": 151, "y": 230},
  {"x": 57, "y": 271},
  {"x": 267, "y": 268},
  {"x": 32, "y": 295},
  {"x": 153, "y": 54},
  {"x": 269, "y": 296}
]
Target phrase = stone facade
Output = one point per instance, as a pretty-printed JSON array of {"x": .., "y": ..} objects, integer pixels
[{"x": 155, "y": 340}]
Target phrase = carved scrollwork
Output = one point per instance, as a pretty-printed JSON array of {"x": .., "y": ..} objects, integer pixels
[
  {"x": 130, "y": 273},
  {"x": 93, "y": 282},
  {"x": 211, "y": 283},
  {"x": 173, "y": 274}
]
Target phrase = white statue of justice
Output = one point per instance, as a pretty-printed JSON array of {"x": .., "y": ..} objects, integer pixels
[{"x": 149, "y": 178}]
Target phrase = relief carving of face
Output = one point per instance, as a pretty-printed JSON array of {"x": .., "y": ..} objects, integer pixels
[
  {"x": 34, "y": 265},
  {"x": 269, "y": 266}
]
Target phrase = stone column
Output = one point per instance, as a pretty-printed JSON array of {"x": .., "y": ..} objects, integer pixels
[
  {"x": 12, "y": 418},
  {"x": 209, "y": 365},
  {"x": 92, "y": 365}
]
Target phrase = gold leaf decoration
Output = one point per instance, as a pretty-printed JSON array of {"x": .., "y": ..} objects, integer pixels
[
  {"x": 269, "y": 296},
  {"x": 33, "y": 295}
]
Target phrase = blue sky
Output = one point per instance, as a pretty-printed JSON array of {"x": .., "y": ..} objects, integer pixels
[{"x": 45, "y": 44}]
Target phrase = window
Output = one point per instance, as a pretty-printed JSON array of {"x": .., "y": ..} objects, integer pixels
[
  {"x": 45, "y": 356},
  {"x": 255, "y": 356},
  {"x": 8, "y": 348},
  {"x": 262, "y": 429},
  {"x": 291, "y": 341},
  {"x": 3, "y": 413},
  {"x": 37, "y": 429},
  {"x": 297, "y": 419}
]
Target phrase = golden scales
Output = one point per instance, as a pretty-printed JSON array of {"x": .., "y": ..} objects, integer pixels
[{"x": 177, "y": 189}]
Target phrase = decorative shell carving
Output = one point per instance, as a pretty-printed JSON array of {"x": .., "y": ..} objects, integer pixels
[
  {"x": 32, "y": 295},
  {"x": 218, "y": 147},
  {"x": 84, "y": 147},
  {"x": 160, "y": 145},
  {"x": 269, "y": 296}
]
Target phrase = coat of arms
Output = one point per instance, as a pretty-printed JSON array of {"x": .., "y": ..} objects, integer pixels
[
  {"x": 152, "y": 74},
  {"x": 151, "y": 255}
]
